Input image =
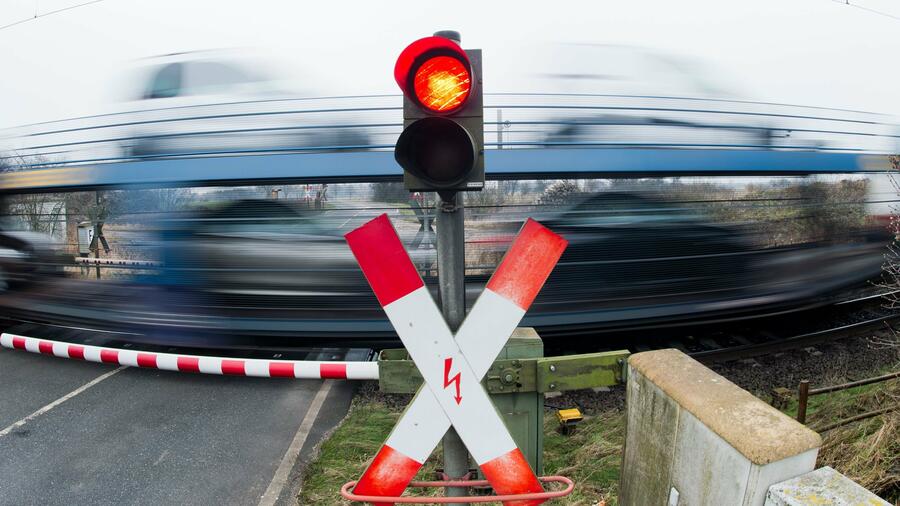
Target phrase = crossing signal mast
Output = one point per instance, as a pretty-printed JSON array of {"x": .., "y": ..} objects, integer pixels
[
  {"x": 441, "y": 149},
  {"x": 442, "y": 145}
]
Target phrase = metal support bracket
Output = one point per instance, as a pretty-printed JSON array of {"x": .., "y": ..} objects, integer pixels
[{"x": 398, "y": 373}]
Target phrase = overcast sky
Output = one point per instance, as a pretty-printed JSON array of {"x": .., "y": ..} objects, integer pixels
[{"x": 809, "y": 52}]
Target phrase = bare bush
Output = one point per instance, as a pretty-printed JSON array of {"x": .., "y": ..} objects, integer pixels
[
  {"x": 560, "y": 192},
  {"x": 892, "y": 259}
]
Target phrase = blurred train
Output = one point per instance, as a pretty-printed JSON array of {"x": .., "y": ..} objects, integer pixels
[
  {"x": 194, "y": 103},
  {"x": 645, "y": 253},
  {"x": 637, "y": 257}
]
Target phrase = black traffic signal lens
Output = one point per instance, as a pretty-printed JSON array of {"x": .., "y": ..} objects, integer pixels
[{"x": 437, "y": 150}]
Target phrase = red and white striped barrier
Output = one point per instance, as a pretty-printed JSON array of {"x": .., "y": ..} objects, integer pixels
[
  {"x": 300, "y": 369},
  {"x": 452, "y": 366}
]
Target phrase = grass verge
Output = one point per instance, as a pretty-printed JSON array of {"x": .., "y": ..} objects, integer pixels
[
  {"x": 591, "y": 456},
  {"x": 866, "y": 451}
]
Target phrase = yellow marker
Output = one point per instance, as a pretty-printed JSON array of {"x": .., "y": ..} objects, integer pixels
[{"x": 568, "y": 419}]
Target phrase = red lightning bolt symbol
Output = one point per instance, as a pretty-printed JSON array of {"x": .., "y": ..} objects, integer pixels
[{"x": 448, "y": 364}]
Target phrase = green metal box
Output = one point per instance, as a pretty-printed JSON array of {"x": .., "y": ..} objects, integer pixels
[{"x": 523, "y": 412}]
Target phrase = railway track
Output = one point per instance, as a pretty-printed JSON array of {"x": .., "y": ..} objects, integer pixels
[
  {"x": 861, "y": 313},
  {"x": 751, "y": 350}
]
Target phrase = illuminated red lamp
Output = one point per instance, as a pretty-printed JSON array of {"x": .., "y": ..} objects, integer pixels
[{"x": 435, "y": 73}]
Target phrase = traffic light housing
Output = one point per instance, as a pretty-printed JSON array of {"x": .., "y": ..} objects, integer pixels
[{"x": 441, "y": 147}]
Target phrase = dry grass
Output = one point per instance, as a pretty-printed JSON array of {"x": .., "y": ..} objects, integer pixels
[
  {"x": 592, "y": 457},
  {"x": 867, "y": 451}
]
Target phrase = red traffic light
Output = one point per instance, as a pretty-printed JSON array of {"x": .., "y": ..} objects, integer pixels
[
  {"x": 435, "y": 73},
  {"x": 442, "y": 83}
]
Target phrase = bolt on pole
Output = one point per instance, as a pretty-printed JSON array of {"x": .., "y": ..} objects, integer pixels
[{"x": 451, "y": 258}]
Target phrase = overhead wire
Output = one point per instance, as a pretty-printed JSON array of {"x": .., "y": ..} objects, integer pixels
[
  {"x": 36, "y": 15},
  {"x": 869, "y": 9}
]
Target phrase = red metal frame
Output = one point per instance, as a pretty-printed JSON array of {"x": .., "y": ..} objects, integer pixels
[{"x": 552, "y": 494}]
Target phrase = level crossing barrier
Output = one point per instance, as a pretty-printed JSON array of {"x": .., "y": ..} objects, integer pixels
[{"x": 298, "y": 369}]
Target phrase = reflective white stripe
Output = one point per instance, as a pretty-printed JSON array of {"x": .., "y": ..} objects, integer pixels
[
  {"x": 425, "y": 334},
  {"x": 31, "y": 344},
  {"x": 486, "y": 329},
  {"x": 6, "y": 340},
  {"x": 307, "y": 370},
  {"x": 167, "y": 362},
  {"x": 128, "y": 357},
  {"x": 92, "y": 353},
  {"x": 210, "y": 365},
  {"x": 59, "y": 349},
  {"x": 414, "y": 434},
  {"x": 258, "y": 368},
  {"x": 418, "y": 431},
  {"x": 362, "y": 370}
]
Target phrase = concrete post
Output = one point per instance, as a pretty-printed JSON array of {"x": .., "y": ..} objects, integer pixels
[
  {"x": 694, "y": 438},
  {"x": 822, "y": 487}
]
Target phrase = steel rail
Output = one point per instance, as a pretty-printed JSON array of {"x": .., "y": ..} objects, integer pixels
[{"x": 799, "y": 341}]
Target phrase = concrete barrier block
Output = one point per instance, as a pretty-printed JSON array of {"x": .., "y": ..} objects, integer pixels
[
  {"x": 694, "y": 435},
  {"x": 822, "y": 487}
]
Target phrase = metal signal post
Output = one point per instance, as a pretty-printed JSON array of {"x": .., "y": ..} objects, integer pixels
[{"x": 451, "y": 259}]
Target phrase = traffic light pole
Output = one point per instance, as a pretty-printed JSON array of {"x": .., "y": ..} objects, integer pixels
[
  {"x": 451, "y": 258},
  {"x": 441, "y": 149}
]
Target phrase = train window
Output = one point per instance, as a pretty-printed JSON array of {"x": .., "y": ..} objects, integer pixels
[
  {"x": 166, "y": 83},
  {"x": 211, "y": 77},
  {"x": 254, "y": 215}
]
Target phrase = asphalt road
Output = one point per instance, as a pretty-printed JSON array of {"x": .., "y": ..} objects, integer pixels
[{"x": 83, "y": 433}]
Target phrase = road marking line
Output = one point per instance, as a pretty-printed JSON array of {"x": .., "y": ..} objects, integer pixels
[
  {"x": 161, "y": 457},
  {"x": 279, "y": 480},
  {"x": 59, "y": 401},
  {"x": 350, "y": 218}
]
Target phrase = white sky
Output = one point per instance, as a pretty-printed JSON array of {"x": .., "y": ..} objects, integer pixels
[{"x": 809, "y": 52}]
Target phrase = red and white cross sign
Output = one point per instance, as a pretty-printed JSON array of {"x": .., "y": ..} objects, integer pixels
[{"x": 452, "y": 365}]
